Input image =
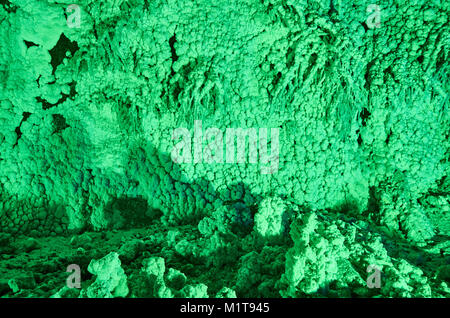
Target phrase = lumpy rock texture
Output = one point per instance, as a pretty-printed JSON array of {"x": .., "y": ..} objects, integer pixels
[{"x": 87, "y": 177}]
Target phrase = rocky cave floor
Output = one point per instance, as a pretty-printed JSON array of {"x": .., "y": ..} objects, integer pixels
[{"x": 37, "y": 266}]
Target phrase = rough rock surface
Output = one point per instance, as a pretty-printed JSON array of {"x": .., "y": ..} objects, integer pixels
[{"x": 87, "y": 115}]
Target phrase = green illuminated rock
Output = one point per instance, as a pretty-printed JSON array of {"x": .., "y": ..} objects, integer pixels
[{"x": 358, "y": 92}]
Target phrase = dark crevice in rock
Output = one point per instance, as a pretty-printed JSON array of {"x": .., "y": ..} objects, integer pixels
[
  {"x": 146, "y": 4},
  {"x": 58, "y": 53},
  {"x": 290, "y": 57},
  {"x": 312, "y": 62},
  {"x": 420, "y": 59},
  {"x": 440, "y": 60},
  {"x": 59, "y": 123},
  {"x": 442, "y": 181},
  {"x": 367, "y": 76},
  {"x": 364, "y": 114},
  {"x": 25, "y": 115},
  {"x": 173, "y": 53},
  {"x": 276, "y": 79},
  {"x": 386, "y": 72},
  {"x": 176, "y": 91},
  {"x": 8, "y": 6},
  {"x": 29, "y": 44},
  {"x": 72, "y": 92},
  {"x": 373, "y": 205},
  {"x": 177, "y": 88},
  {"x": 364, "y": 24},
  {"x": 332, "y": 13},
  {"x": 388, "y": 137},
  {"x": 46, "y": 105},
  {"x": 360, "y": 141}
]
